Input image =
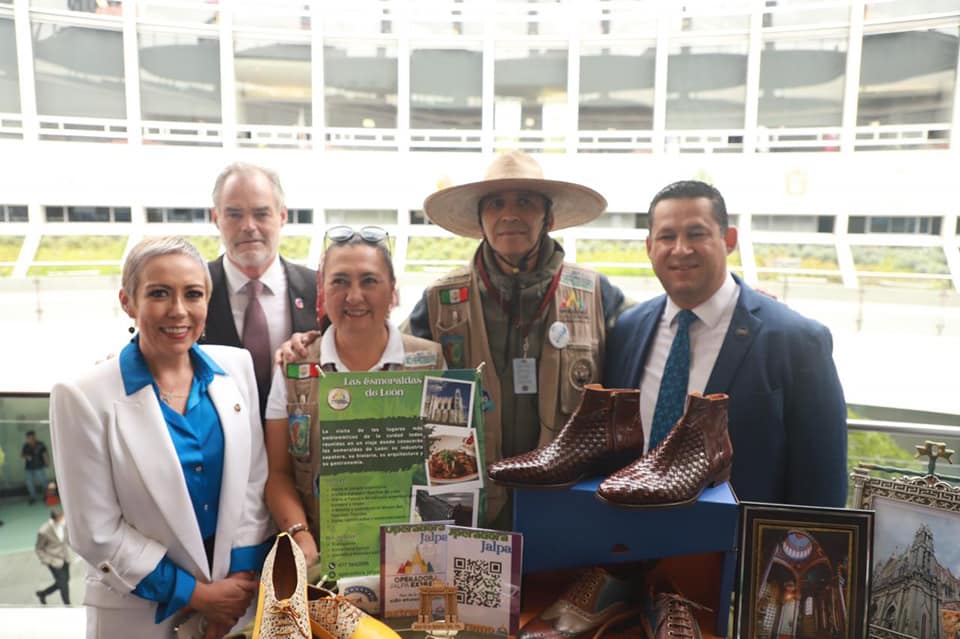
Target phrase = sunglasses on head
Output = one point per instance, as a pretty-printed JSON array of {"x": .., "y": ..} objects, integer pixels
[{"x": 343, "y": 233}]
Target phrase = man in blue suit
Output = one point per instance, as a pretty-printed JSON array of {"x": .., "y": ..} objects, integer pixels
[{"x": 787, "y": 415}]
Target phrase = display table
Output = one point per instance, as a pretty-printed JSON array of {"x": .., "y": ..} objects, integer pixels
[{"x": 571, "y": 528}]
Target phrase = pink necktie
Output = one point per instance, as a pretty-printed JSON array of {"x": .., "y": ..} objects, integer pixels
[{"x": 256, "y": 337}]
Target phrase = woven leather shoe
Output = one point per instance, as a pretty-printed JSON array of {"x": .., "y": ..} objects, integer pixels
[
  {"x": 670, "y": 616},
  {"x": 593, "y": 602},
  {"x": 282, "y": 602},
  {"x": 697, "y": 453},
  {"x": 334, "y": 617},
  {"x": 602, "y": 434}
]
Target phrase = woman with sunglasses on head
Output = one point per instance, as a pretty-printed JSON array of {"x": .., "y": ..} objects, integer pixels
[{"x": 356, "y": 289}]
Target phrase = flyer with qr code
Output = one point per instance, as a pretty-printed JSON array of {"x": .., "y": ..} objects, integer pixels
[
  {"x": 394, "y": 447},
  {"x": 411, "y": 556},
  {"x": 485, "y": 566}
]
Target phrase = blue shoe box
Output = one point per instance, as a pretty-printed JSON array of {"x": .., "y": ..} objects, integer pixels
[{"x": 573, "y": 528}]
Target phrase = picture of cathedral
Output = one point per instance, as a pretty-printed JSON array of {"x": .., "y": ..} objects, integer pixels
[
  {"x": 803, "y": 590},
  {"x": 916, "y": 590},
  {"x": 447, "y": 401}
]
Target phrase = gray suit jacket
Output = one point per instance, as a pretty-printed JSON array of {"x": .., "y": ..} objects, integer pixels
[{"x": 50, "y": 549}]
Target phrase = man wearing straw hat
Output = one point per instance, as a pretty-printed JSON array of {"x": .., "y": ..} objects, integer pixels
[{"x": 538, "y": 323}]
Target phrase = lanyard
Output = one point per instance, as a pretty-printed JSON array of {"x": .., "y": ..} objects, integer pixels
[{"x": 495, "y": 295}]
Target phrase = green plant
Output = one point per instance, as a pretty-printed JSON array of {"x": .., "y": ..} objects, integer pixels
[
  {"x": 10, "y": 248},
  {"x": 295, "y": 247},
  {"x": 80, "y": 248}
]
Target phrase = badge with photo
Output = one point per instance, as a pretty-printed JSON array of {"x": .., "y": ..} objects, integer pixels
[{"x": 804, "y": 572}]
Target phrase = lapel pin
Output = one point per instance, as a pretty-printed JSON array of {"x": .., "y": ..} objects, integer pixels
[
  {"x": 742, "y": 331},
  {"x": 298, "y": 302},
  {"x": 236, "y": 407}
]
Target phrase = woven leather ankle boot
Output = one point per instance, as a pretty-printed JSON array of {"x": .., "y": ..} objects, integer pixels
[
  {"x": 697, "y": 453},
  {"x": 604, "y": 430}
]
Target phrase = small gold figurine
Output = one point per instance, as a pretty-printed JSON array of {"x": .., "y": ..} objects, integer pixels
[{"x": 450, "y": 625}]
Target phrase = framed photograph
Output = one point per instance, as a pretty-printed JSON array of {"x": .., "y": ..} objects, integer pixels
[
  {"x": 916, "y": 566},
  {"x": 804, "y": 572}
]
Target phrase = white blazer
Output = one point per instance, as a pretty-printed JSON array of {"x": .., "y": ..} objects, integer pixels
[{"x": 125, "y": 496}]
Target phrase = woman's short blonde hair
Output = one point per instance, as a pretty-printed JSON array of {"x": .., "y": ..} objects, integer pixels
[{"x": 151, "y": 247}]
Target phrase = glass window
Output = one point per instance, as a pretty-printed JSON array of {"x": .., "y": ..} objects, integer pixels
[
  {"x": 54, "y": 214},
  {"x": 801, "y": 81},
  {"x": 178, "y": 215},
  {"x": 531, "y": 17},
  {"x": 616, "y": 86},
  {"x": 276, "y": 14},
  {"x": 635, "y": 19},
  {"x": 179, "y": 76},
  {"x": 121, "y": 214},
  {"x": 789, "y": 223},
  {"x": 360, "y": 84},
  {"x": 17, "y": 214},
  {"x": 530, "y": 86},
  {"x": 273, "y": 82},
  {"x": 9, "y": 74},
  {"x": 883, "y": 9},
  {"x": 708, "y": 15},
  {"x": 300, "y": 216},
  {"x": 908, "y": 77},
  {"x": 176, "y": 12},
  {"x": 610, "y": 219},
  {"x": 360, "y": 17},
  {"x": 706, "y": 85},
  {"x": 790, "y": 13},
  {"x": 446, "y": 88},
  {"x": 353, "y": 217},
  {"x": 461, "y": 17},
  {"x": 99, "y": 7},
  {"x": 78, "y": 71},
  {"x": 88, "y": 214}
]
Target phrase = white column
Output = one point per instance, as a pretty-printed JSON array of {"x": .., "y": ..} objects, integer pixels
[
  {"x": 665, "y": 19},
  {"x": 401, "y": 23},
  {"x": 131, "y": 74},
  {"x": 851, "y": 90},
  {"x": 754, "y": 51},
  {"x": 748, "y": 258},
  {"x": 228, "y": 78},
  {"x": 848, "y": 270},
  {"x": 28, "y": 91},
  {"x": 318, "y": 125},
  {"x": 487, "y": 89},
  {"x": 573, "y": 78}
]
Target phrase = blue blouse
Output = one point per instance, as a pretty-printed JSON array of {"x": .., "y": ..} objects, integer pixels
[{"x": 197, "y": 437}]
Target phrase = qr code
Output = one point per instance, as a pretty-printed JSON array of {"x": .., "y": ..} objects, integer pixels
[{"x": 478, "y": 582}]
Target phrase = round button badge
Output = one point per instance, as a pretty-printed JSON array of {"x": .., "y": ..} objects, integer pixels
[{"x": 559, "y": 335}]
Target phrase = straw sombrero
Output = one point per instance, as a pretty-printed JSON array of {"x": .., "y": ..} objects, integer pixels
[{"x": 456, "y": 208}]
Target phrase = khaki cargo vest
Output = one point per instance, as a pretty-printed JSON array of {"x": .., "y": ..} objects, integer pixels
[
  {"x": 455, "y": 313},
  {"x": 419, "y": 354}
]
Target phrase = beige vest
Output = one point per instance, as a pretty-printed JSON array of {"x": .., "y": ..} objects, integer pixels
[
  {"x": 302, "y": 399},
  {"x": 562, "y": 373}
]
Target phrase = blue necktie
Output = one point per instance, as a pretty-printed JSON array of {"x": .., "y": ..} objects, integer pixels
[{"x": 673, "y": 385}]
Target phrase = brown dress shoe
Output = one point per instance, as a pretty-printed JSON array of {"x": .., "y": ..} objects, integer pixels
[
  {"x": 670, "y": 616},
  {"x": 697, "y": 453},
  {"x": 594, "y": 601},
  {"x": 604, "y": 430}
]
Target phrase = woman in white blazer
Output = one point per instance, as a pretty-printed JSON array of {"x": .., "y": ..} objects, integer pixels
[{"x": 161, "y": 463}]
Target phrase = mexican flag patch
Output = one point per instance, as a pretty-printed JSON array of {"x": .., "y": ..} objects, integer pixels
[{"x": 454, "y": 295}]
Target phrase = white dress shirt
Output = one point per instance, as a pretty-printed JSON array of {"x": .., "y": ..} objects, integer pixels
[
  {"x": 273, "y": 300},
  {"x": 706, "y": 338},
  {"x": 277, "y": 399}
]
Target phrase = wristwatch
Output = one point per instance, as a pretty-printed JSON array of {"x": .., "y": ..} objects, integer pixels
[{"x": 297, "y": 527}]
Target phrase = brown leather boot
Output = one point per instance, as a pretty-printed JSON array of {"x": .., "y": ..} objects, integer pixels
[
  {"x": 603, "y": 430},
  {"x": 697, "y": 453}
]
